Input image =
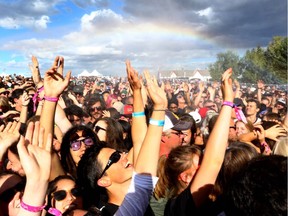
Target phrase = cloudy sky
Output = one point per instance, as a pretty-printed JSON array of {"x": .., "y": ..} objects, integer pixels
[{"x": 98, "y": 35}]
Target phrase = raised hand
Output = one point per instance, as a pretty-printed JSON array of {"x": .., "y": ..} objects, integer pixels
[
  {"x": 274, "y": 132},
  {"x": 34, "y": 67},
  {"x": 25, "y": 99},
  {"x": 8, "y": 135},
  {"x": 156, "y": 93},
  {"x": 133, "y": 77},
  {"x": 226, "y": 85},
  {"x": 36, "y": 160},
  {"x": 54, "y": 82}
]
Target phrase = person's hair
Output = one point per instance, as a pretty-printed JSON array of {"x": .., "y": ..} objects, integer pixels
[
  {"x": 88, "y": 172},
  {"x": 113, "y": 113},
  {"x": 126, "y": 129},
  {"x": 4, "y": 104},
  {"x": 270, "y": 116},
  {"x": 52, "y": 187},
  {"x": 67, "y": 161},
  {"x": 172, "y": 101},
  {"x": 16, "y": 94},
  {"x": 187, "y": 117},
  {"x": 74, "y": 110},
  {"x": 171, "y": 166},
  {"x": 237, "y": 155},
  {"x": 92, "y": 101},
  {"x": 68, "y": 101},
  {"x": 114, "y": 133},
  {"x": 259, "y": 189},
  {"x": 251, "y": 100}
]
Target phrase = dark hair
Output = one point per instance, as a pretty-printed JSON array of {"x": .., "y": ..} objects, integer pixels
[
  {"x": 88, "y": 171},
  {"x": 260, "y": 189},
  {"x": 74, "y": 110},
  {"x": 114, "y": 131},
  {"x": 251, "y": 100},
  {"x": 92, "y": 100},
  {"x": 67, "y": 161},
  {"x": 237, "y": 155},
  {"x": 16, "y": 94},
  {"x": 127, "y": 129},
  {"x": 187, "y": 117},
  {"x": 52, "y": 187}
]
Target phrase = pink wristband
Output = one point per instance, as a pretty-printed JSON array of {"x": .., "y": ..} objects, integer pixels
[
  {"x": 51, "y": 99},
  {"x": 31, "y": 208},
  {"x": 54, "y": 211},
  {"x": 228, "y": 103}
]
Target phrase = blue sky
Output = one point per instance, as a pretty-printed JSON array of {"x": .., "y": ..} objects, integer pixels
[{"x": 98, "y": 35}]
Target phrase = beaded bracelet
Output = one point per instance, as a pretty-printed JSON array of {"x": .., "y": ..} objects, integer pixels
[
  {"x": 155, "y": 122},
  {"x": 51, "y": 99},
  {"x": 138, "y": 114},
  {"x": 31, "y": 208},
  {"x": 228, "y": 103}
]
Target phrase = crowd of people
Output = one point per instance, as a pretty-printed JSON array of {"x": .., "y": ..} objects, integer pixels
[{"x": 136, "y": 145}]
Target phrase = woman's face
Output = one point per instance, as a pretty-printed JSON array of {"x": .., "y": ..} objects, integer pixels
[
  {"x": 64, "y": 186},
  {"x": 14, "y": 164},
  {"x": 78, "y": 146},
  {"x": 241, "y": 128},
  {"x": 100, "y": 129}
]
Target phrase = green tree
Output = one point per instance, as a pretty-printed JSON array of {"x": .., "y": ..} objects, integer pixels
[
  {"x": 225, "y": 61},
  {"x": 254, "y": 66},
  {"x": 276, "y": 57}
]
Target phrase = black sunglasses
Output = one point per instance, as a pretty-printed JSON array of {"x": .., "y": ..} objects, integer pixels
[
  {"x": 95, "y": 108},
  {"x": 75, "y": 145},
  {"x": 114, "y": 158},
  {"x": 98, "y": 128},
  {"x": 61, "y": 194}
]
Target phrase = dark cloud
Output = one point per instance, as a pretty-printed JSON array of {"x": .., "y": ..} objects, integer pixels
[{"x": 238, "y": 23}]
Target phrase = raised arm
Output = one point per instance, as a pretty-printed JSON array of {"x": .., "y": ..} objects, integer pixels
[
  {"x": 8, "y": 135},
  {"x": 198, "y": 97},
  {"x": 34, "y": 67},
  {"x": 216, "y": 146},
  {"x": 36, "y": 162},
  {"x": 151, "y": 144},
  {"x": 138, "y": 127},
  {"x": 24, "y": 110},
  {"x": 54, "y": 85}
]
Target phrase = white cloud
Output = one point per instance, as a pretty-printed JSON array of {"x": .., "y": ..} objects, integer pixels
[
  {"x": 101, "y": 19},
  {"x": 42, "y": 22},
  {"x": 9, "y": 23},
  {"x": 208, "y": 12},
  {"x": 30, "y": 22}
]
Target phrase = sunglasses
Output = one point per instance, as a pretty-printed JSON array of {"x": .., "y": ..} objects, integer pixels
[
  {"x": 62, "y": 194},
  {"x": 179, "y": 133},
  {"x": 114, "y": 158},
  {"x": 95, "y": 109},
  {"x": 98, "y": 128},
  {"x": 76, "y": 144}
]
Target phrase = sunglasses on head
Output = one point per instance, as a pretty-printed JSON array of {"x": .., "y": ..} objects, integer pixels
[
  {"x": 98, "y": 128},
  {"x": 61, "y": 194},
  {"x": 76, "y": 144},
  {"x": 114, "y": 158},
  {"x": 95, "y": 109}
]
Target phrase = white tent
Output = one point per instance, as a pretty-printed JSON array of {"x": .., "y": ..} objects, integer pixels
[
  {"x": 197, "y": 75},
  {"x": 85, "y": 73}
]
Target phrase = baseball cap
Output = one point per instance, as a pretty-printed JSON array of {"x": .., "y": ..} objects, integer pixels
[
  {"x": 196, "y": 116},
  {"x": 172, "y": 121}
]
